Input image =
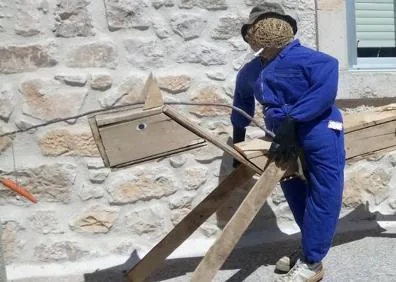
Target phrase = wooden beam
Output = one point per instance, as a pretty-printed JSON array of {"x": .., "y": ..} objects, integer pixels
[
  {"x": 371, "y": 139},
  {"x": 125, "y": 115},
  {"x": 182, "y": 120},
  {"x": 189, "y": 224},
  {"x": 364, "y": 120},
  {"x": 365, "y": 133},
  {"x": 98, "y": 140},
  {"x": 219, "y": 252},
  {"x": 371, "y": 102}
]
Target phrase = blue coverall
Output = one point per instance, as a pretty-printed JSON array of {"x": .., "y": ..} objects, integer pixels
[{"x": 302, "y": 83}]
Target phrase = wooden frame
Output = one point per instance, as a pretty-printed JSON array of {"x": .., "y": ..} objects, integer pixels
[{"x": 150, "y": 131}]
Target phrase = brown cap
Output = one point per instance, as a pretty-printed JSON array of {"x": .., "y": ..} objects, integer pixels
[{"x": 266, "y": 10}]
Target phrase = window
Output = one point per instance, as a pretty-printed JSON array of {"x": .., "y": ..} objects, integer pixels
[{"x": 372, "y": 40}]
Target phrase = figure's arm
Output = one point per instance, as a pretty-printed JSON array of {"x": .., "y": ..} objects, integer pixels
[
  {"x": 322, "y": 73},
  {"x": 243, "y": 99}
]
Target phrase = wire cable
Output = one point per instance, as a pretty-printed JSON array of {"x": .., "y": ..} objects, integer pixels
[{"x": 120, "y": 107}]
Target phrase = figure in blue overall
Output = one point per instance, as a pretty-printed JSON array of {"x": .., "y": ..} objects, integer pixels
[{"x": 297, "y": 87}]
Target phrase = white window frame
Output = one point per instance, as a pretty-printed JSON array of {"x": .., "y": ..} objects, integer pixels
[{"x": 353, "y": 60}]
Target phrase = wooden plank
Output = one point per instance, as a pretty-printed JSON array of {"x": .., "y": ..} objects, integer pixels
[
  {"x": 372, "y": 102},
  {"x": 182, "y": 120},
  {"x": 374, "y": 154},
  {"x": 161, "y": 155},
  {"x": 189, "y": 224},
  {"x": 152, "y": 93},
  {"x": 361, "y": 120},
  {"x": 218, "y": 253},
  {"x": 253, "y": 148},
  {"x": 370, "y": 139},
  {"x": 149, "y": 136},
  {"x": 98, "y": 140},
  {"x": 125, "y": 116}
]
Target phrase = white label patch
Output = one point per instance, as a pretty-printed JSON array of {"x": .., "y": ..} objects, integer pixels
[{"x": 336, "y": 125}]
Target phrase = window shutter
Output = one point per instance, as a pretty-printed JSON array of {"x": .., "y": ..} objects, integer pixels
[{"x": 375, "y": 23}]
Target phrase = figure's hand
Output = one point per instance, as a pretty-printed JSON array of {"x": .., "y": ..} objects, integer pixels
[{"x": 284, "y": 146}]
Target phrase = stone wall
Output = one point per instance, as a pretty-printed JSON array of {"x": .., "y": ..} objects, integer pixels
[{"x": 63, "y": 57}]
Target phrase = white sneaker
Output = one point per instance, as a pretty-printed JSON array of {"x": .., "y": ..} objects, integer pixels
[
  {"x": 303, "y": 272},
  {"x": 284, "y": 264}
]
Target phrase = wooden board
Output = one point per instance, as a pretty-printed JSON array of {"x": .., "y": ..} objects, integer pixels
[
  {"x": 146, "y": 137},
  {"x": 361, "y": 120},
  {"x": 370, "y": 139},
  {"x": 189, "y": 224},
  {"x": 233, "y": 231},
  {"x": 125, "y": 116},
  {"x": 254, "y": 148},
  {"x": 159, "y": 136},
  {"x": 365, "y": 133},
  {"x": 185, "y": 122},
  {"x": 98, "y": 140}
]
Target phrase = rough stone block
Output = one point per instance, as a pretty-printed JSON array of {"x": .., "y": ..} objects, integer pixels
[
  {"x": 209, "y": 94},
  {"x": 188, "y": 26},
  {"x": 29, "y": 15},
  {"x": 49, "y": 99},
  {"x": 59, "y": 252},
  {"x": 147, "y": 53},
  {"x": 95, "y": 219},
  {"x": 134, "y": 185},
  {"x": 45, "y": 222},
  {"x": 49, "y": 183},
  {"x": 12, "y": 244},
  {"x": 146, "y": 221},
  {"x": 130, "y": 91},
  {"x": 96, "y": 55},
  {"x": 204, "y": 53},
  {"x": 101, "y": 81},
  {"x": 72, "y": 18},
  {"x": 205, "y": 4},
  {"x": 365, "y": 184},
  {"x": 228, "y": 27},
  {"x": 88, "y": 192},
  {"x": 68, "y": 142},
  {"x": 72, "y": 79},
  {"x": 194, "y": 177},
  {"x": 174, "y": 83},
  {"x": 125, "y": 14},
  {"x": 7, "y": 103},
  {"x": 161, "y": 27},
  {"x": 99, "y": 175},
  {"x": 14, "y": 59}
]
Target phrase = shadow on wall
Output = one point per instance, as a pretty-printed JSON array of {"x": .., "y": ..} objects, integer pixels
[{"x": 248, "y": 259}]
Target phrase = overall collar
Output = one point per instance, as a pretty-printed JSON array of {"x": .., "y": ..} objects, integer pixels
[{"x": 284, "y": 51}]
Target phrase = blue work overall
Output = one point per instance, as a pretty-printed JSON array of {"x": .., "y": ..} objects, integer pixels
[{"x": 302, "y": 83}]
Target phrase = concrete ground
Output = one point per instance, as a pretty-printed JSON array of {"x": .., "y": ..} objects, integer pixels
[
  {"x": 368, "y": 255},
  {"x": 360, "y": 258}
]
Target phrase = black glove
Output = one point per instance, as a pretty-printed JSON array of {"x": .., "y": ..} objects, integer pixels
[
  {"x": 238, "y": 135},
  {"x": 284, "y": 146}
]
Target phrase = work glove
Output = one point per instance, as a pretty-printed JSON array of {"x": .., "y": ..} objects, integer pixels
[
  {"x": 284, "y": 145},
  {"x": 238, "y": 135}
]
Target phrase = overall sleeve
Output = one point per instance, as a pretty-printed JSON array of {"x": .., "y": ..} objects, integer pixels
[
  {"x": 322, "y": 73},
  {"x": 243, "y": 99}
]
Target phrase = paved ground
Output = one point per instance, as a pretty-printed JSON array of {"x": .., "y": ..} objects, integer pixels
[{"x": 356, "y": 256}]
